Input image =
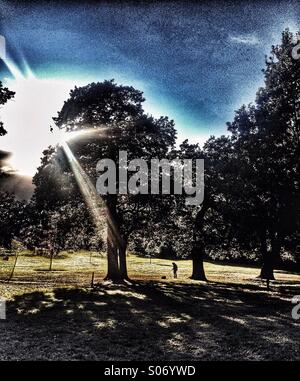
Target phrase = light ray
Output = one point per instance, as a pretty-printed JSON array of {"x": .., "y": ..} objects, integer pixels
[
  {"x": 14, "y": 70},
  {"x": 97, "y": 207},
  {"x": 98, "y": 132},
  {"x": 94, "y": 202},
  {"x": 28, "y": 72}
]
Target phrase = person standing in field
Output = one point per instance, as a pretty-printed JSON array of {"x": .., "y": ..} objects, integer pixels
[{"x": 175, "y": 269}]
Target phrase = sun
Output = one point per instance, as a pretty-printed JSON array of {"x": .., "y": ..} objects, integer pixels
[{"x": 28, "y": 116}]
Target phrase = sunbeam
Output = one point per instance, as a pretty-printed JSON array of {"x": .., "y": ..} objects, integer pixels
[
  {"x": 16, "y": 72},
  {"x": 101, "y": 215},
  {"x": 94, "y": 202}
]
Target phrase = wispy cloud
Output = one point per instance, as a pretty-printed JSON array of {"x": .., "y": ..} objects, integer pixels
[{"x": 244, "y": 39}]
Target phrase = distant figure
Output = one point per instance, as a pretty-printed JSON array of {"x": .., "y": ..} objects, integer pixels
[
  {"x": 175, "y": 269},
  {"x": 5, "y": 258},
  {"x": 51, "y": 129}
]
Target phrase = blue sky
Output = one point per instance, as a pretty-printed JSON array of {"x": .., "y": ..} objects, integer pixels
[{"x": 196, "y": 62}]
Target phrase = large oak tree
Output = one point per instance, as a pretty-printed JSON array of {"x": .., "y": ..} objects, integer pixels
[{"x": 118, "y": 111}]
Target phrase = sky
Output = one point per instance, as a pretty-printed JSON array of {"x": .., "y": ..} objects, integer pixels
[{"x": 196, "y": 62}]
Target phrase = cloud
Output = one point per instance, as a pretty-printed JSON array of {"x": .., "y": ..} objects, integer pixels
[
  {"x": 12, "y": 182},
  {"x": 18, "y": 185},
  {"x": 246, "y": 39},
  {"x": 4, "y": 165}
]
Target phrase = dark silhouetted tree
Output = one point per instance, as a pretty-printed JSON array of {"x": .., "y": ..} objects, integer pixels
[
  {"x": 116, "y": 113},
  {"x": 268, "y": 146}
]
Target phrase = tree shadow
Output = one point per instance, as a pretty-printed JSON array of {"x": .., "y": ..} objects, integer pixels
[{"x": 150, "y": 320}]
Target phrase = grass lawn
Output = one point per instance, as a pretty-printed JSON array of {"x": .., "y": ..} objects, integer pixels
[{"x": 55, "y": 315}]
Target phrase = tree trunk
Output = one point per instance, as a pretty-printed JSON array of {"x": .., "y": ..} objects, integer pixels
[
  {"x": 123, "y": 263},
  {"x": 267, "y": 270},
  {"x": 197, "y": 253},
  {"x": 198, "y": 267},
  {"x": 112, "y": 259},
  {"x": 116, "y": 246},
  {"x": 272, "y": 257},
  {"x": 51, "y": 259}
]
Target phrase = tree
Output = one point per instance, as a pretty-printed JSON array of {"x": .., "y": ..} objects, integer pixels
[
  {"x": 116, "y": 110},
  {"x": 189, "y": 219},
  {"x": 219, "y": 174},
  {"x": 57, "y": 216},
  {"x": 268, "y": 145},
  {"x": 12, "y": 214}
]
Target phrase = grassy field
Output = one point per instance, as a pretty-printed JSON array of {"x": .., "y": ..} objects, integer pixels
[{"x": 57, "y": 316}]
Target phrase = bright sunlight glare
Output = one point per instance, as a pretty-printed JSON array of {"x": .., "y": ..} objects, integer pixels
[{"x": 28, "y": 117}]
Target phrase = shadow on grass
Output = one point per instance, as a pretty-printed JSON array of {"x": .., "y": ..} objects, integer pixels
[{"x": 152, "y": 321}]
